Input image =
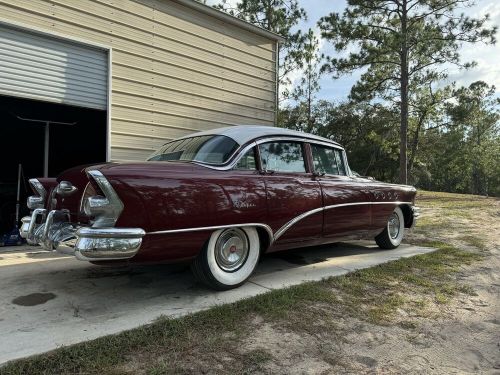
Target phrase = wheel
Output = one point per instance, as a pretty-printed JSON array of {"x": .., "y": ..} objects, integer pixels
[
  {"x": 393, "y": 233},
  {"x": 228, "y": 259}
]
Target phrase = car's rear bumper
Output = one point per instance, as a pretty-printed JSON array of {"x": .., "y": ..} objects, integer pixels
[{"x": 54, "y": 231}]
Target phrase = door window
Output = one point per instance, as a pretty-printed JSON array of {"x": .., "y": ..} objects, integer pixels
[
  {"x": 282, "y": 157},
  {"x": 247, "y": 161},
  {"x": 328, "y": 160}
]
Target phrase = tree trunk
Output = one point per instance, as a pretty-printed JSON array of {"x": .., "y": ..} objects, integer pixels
[
  {"x": 309, "y": 102},
  {"x": 403, "y": 142},
  {"x": 414, "y": 143}
]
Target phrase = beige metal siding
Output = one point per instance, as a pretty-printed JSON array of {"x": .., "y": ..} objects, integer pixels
[{"x": 174, "y": 70}]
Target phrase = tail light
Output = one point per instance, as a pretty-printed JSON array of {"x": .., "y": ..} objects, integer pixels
[
  {"x": 100, "y": 201},
  {"x": 36, "y": 201}
]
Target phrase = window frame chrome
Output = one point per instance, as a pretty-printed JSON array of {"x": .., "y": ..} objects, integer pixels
[{"x": 244, "y": 148}]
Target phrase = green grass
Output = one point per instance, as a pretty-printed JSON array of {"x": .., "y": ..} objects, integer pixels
[
  {"x": 214, "y": 339},
  {"x": 373, "y": 295}
]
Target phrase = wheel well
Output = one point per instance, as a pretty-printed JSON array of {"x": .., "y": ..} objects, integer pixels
[
  {"x": 264, "y": 238},
  {"x": 408, "y": 215}
]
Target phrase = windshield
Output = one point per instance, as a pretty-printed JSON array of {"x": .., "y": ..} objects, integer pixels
[{"x": 211, "y": 149}]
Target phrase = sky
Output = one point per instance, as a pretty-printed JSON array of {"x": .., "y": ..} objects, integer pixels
[{"x": 487, "y": 57}]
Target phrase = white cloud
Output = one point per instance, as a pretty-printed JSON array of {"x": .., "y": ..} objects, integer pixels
[{"x": 486, "y": 56}]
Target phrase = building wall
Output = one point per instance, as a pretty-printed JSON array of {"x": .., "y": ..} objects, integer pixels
[{"x": 174, "y": 70}]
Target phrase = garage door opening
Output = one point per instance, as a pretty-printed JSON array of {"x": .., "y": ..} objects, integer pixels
[{"x": 22, "y": 142}]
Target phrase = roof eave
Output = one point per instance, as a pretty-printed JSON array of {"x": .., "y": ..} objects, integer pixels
[{"x": 223, "y": 16}]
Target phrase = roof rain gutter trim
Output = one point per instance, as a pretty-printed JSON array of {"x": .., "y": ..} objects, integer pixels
[{"x": 231, "y": 19}]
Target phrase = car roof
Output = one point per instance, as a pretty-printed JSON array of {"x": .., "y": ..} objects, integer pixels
[{"x": 245, "y": 133}]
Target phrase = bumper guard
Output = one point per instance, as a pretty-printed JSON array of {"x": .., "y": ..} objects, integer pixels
[{"x": 54, "y": 231}]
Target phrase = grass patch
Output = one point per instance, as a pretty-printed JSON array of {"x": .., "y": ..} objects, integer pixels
[
  {"x": 475, "y": 241},
  {"x": 374, "y": 295}
]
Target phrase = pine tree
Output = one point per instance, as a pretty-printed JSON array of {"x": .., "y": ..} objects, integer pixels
[{"x": 400, "y": 44}]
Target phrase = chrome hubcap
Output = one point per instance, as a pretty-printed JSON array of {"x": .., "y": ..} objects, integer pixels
[
  {"x": 231, "y": 249},
  {"x": 393, "y": 226}
]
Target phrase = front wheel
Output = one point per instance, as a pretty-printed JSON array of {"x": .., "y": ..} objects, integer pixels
[
  {"x": 392, "y": 235},
  {"x": 228, "y": 259}
]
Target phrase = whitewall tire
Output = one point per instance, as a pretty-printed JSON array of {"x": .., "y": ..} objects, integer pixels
[
  {"x": 393, "y": 233},
  {"x": 228, "y": 259}
]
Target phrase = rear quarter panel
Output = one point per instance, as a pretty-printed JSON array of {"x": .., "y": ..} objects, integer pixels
[{"x": 161, "y": 199}]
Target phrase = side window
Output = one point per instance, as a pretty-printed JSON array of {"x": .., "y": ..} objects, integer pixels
[
  {"x": 327, "y": 160},
  {"x": 282, "y": 156},
  {"x": 340, "y": 162},
  {"x": 247, "y": 161}
]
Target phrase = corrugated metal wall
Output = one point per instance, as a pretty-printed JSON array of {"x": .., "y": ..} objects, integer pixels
[
  {"x": 35, "y": 66},
  {"x": 174, "y": 70}
]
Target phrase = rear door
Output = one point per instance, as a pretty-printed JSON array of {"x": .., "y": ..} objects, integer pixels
[
  {"x": 293, "y": 196},
  {"x": 347, "y": 201}
]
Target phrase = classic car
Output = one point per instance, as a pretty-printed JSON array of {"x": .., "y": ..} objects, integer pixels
[{"x": 217, "y": 199}]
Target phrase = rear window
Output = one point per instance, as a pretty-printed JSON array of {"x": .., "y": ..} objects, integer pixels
[{"x": 210, "y": 149}]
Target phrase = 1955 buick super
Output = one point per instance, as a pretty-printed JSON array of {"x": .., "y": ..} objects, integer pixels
[{"x": 218, "y": 199}]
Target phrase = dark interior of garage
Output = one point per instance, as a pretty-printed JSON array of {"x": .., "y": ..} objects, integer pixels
[{"x": 81, "y": 140}]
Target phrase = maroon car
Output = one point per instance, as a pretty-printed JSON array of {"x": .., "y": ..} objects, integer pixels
[{"x": 218, "y": 199}]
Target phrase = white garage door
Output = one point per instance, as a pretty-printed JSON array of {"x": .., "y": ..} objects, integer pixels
[{"x": 40, "y": 67}]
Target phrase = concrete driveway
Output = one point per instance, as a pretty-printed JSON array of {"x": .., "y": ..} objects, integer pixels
[{"x": 48, "y": 300}]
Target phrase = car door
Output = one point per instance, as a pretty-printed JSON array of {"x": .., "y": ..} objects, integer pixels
[
  {"x": 347, "y": 201},
  {"x": 294, "y": 198}
]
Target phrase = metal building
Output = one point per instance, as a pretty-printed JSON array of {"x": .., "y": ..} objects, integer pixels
[{"x": 109, "y": 80}]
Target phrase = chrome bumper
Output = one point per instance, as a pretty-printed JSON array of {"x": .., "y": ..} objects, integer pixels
[
  {"x": 416, "y": 214},
  {"x": 54, "y": 231}
]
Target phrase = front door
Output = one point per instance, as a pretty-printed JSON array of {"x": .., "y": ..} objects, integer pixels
[
  {"x": 294, "y": 198},
  {"x": 347, "y": 201}
]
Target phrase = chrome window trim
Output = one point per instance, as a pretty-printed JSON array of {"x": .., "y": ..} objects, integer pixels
[
  {"x": 233, "y": 155},
  {"x": 344, "y": 159},
  {"x": 238, "y": 154},
  {"x": 292, "y": 140},
  {"x": 241, "y": 151},
  {"x": 274, "y": 236},
  {"x": 297, "y": 139}
]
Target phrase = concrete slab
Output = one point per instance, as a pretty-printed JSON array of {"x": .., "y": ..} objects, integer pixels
[{"x": 48, "y": 300}]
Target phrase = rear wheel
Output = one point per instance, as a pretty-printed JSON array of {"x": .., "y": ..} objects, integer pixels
[
  {"x": 228, "y": 259},
  {"x": 393, "y": 233}
]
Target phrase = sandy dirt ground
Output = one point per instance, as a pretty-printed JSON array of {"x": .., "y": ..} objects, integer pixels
[{"x": 459, "y": 337}]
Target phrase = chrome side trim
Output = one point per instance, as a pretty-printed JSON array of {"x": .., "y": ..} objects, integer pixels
[
  {"x": 364, "y": 203},
  {"x": 287, "y": 226},
  {"x": 280, "y": 231},
  {"x": 295, "y": 220},
  {"x": 216, "y": 227}
]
